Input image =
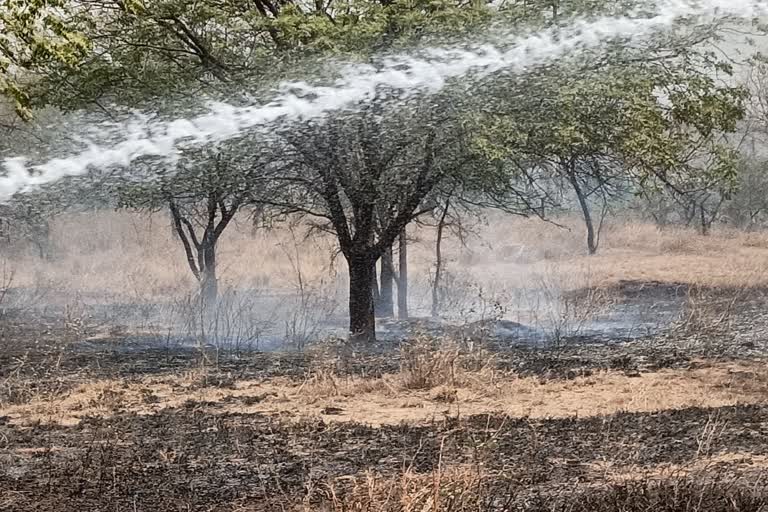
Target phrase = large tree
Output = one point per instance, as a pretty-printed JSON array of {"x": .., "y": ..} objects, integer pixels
[{"x": 367, "y": 174}]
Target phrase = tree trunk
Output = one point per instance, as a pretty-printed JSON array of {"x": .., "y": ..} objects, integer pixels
[
  {"x": 385, "y": 306},
  {"x": 402, "y": 283},
  {"x": 439, "y": 261},
  {"x": 209, "y": 284},
  {"x": 362, "y": 323},
  {"x": 375, "y": 290},
  {"x": 591, "y": 240},
  {"x": 41, "y": 237},
  {"x": 704, "y": 223}
]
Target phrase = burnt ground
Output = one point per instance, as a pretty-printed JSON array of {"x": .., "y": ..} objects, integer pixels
[
  {"x": 185, "y": 459},
  {"x": 203, "y": 457}
]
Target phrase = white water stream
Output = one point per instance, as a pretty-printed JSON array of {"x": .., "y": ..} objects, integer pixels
[{"x": 297, "y": 101}]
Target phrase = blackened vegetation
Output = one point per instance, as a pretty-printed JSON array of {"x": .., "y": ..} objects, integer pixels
[{"x": 192, "y": 458}]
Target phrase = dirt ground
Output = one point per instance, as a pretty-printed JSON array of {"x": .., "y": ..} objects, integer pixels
[{"x": 419, "y": 425}]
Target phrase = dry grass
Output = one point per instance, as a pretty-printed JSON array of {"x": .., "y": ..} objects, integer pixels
[
  {"x": 708, "y": 312},
  {"x": 454, "y": 488},
  {"x": 392, "y": 399},
  {"x": 465, "y": 488},
  {"x": 437, "y": 379},
  {"x": 629, "y": 251},
  {"x": 737, "y": 462},
  {"x": 89, "y": 248},
  {"x": 505, "y": 254}
]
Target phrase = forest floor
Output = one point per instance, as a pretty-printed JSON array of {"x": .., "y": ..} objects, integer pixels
[{"x": 676, "y": 420}]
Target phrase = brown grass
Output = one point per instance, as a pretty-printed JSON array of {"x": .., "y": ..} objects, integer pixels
[
  {"x": 453, "y": 488},
  {"x": 506, "y": 253},
  {"x": 391, "y": 399},
  {"x": 469, "y": 489},
  {"x": 90, "y": 247},
  {"x": 737, "y": 462},
  {"x": 133, "y": 258}
]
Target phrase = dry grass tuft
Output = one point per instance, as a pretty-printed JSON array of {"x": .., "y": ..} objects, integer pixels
[
  {"x": 465, "y": 489},
  {"x": 708, "y": 313},
  {"x": 427, "y": 363},
  {"x": 710, "y": 493},
  {"x": 680, "y": 242},
  {"x": 456, "y": 488}
]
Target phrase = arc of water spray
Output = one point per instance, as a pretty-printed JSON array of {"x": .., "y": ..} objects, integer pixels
[{"x": 359, "y": 83}]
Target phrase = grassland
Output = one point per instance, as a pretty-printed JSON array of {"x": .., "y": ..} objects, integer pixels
[{"x": 95, "y": 417}]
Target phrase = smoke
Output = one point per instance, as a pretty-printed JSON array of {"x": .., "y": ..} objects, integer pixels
[{"x": 297, "y": 101}]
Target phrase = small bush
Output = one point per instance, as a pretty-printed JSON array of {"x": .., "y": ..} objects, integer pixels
[{"x": 426, "y": 363}]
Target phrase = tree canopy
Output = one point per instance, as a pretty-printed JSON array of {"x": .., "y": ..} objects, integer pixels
[
  {"x": 36, "y": 37},
  {"x": 641, "y": 125}
]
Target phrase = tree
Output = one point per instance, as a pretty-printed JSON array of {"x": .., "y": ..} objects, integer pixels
[
  {"x": 353, "y": 168},
  {"x": 402, "y": 275},
  {"x": 367, "y": 175},
  {"x": 203, "y": 193},
  {"x": 748, "y": 204},
  {"x": 448, "y": 217},
  {"x": 604, "y": 132},
  {"x": 385, "y": 304},
  {"x": 27, "y": 216},
  {"x": 172, "y": 49}
]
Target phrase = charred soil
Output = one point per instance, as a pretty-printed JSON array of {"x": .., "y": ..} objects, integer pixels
[{"x": 99, "y": 427}]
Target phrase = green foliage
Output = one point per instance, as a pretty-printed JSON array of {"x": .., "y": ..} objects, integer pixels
[
  {"x": 152, "y": 49},
  {"x": 657, "y": 124},
  {"x": 34, "y": 35},
  {"x": 230, "y": 172}
]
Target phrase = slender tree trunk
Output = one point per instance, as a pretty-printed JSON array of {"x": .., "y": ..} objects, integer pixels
[
  {"x": 439, "y": 261},
  {"x": 209, "y": 284},
  {"x": 591, "y": 239},
  {"x": 43, "y": 246},
  {"x": 402, "y": 283},
  {"x": 201, "y": 252},
  {"x": 375, "y": 290},
  {"x": 385, "y": 306},
  {"x": 42, "y": 239},
  {"x": 362, "y": 323},
  {"x": 704, "y": 224}
]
